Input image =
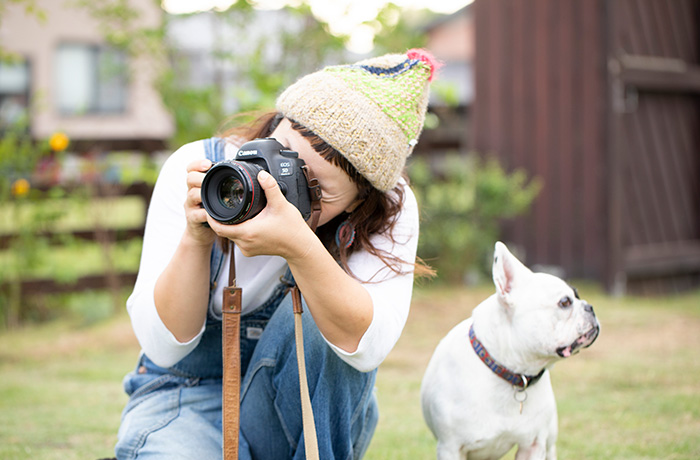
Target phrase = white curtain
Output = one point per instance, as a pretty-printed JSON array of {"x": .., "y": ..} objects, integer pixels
[
  {"x": 75, "y": 84},
  {"x": 90, "y": 79}
]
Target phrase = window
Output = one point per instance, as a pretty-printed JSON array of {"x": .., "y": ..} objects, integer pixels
[
  {"x": 14, "y": 94},
  {"x": 90, "y": 79}
]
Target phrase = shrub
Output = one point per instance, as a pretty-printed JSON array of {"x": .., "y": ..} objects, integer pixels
[
  {"x": 463, "y": 200},
  {"x": 19, "y": 157}
]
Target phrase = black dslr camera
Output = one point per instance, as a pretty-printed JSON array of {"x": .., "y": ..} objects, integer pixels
[{"x": 231, "y": 192}]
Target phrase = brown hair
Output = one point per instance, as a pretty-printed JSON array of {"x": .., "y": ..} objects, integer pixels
[{"x": 376, "y": 214}]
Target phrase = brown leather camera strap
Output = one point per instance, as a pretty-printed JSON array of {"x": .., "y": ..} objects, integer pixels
[
  {"x": 231, "y": 317},
  {"x": 315, "y": 193},
  {"x": 230, "y": 342}
]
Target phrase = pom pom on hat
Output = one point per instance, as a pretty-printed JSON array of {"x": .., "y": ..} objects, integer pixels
[
  {"x": 372, "y": 111},
  {"x": 425, "y": 56}
]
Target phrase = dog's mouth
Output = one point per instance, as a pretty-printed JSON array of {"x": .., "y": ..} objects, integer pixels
[{"x": 584, "y": 341}]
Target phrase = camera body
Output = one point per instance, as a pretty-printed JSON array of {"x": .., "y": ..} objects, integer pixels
[{"x": 231, "y": 193}]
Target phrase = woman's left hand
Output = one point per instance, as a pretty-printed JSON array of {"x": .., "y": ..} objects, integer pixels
[{"x": 279, "y": 229}]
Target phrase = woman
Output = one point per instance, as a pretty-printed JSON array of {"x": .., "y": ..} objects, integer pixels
[{"x": 355, "y": 126}]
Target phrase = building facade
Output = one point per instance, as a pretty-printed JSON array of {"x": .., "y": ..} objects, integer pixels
[{"x": 66, "y": 76}]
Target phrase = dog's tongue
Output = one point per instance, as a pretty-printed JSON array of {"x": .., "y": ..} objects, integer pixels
[
  {"x": 583, "y": 341},
  {"x": 564, "y": 352}
]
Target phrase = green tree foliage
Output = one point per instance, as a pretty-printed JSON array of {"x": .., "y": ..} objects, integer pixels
[
  {"x": 303, "y": 46},
  {"x": 398, "y": 29},
  {"x": 463, "y": 201}
]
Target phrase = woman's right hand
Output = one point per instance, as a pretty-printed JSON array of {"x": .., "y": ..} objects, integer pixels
[{"x": 197, "y": 229}]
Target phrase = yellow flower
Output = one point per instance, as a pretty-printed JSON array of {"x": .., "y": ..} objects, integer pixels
[
  {"x": 20, "y": 187},
  {"x": 58, "y": 141}
]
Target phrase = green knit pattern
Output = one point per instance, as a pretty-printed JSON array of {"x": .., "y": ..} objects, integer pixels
[{"x": 397, "y": 92}]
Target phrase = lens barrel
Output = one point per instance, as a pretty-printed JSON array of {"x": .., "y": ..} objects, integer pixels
[{"x": 231, "y": 192}]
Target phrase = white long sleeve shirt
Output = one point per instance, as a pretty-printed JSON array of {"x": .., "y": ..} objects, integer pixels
[{"x": 259, "y": 275}]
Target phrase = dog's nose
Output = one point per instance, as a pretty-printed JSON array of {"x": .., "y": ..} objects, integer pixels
[{"x": 588, "y": 308}]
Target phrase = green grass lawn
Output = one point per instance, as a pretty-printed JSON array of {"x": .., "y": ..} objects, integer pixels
[{"x": 635, "y": 394}]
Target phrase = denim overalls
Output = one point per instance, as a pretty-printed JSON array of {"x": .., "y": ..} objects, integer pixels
[{"x": 175, "y": 413}]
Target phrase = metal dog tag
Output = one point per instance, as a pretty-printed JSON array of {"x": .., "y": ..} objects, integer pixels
[{"x": 520, "y": 396}]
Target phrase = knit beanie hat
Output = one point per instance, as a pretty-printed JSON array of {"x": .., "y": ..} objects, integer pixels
[{"x": 372, "y": 112}]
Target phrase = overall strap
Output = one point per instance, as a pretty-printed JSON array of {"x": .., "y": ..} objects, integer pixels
[
  {"x": 231, "y": 317},
  {"x": 214, "y": 151},
  {"x": 230, "y": 339}
]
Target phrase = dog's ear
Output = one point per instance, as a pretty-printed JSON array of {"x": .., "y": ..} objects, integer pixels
[{"x": 507, "y": 270}]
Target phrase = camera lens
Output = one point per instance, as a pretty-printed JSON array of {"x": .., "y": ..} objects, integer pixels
[{"x": 231, "y": 192}]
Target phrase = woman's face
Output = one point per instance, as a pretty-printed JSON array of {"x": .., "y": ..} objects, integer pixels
[{"x": 339, "y": 192}]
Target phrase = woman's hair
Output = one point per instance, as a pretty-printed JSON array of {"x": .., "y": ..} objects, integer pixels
[{"x": 376, "y": 214}]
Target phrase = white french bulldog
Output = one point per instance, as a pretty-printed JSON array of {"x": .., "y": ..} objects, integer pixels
[{"x": 487, "y": 386}]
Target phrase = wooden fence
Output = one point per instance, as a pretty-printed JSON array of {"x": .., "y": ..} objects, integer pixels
[{"x": 107, "y": 280}]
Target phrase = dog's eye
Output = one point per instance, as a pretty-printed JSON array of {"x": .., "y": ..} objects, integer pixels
[{"x": 565, "y": 302}]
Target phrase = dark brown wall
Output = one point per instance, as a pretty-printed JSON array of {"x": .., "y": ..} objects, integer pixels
[
  {"x": 600, "y": 99},
  {"x": 541, "y": 94}
]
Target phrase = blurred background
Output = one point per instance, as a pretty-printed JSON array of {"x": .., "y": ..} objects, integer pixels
[{"x": 569, "y": 129}]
